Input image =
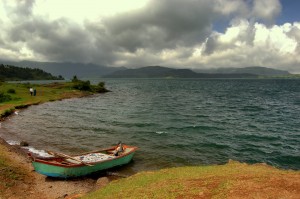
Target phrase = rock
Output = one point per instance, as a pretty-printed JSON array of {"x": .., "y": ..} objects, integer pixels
[
  {"x": 63, "y": 196},
  {"x": 117, "y": 174},
  {"x": 24, "y": 143},
  {"x": 75, "y": 196},
  {"x": 101, "y": 182}
]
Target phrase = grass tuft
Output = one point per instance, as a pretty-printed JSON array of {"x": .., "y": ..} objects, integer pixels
[{"x": 10, "y": 174}]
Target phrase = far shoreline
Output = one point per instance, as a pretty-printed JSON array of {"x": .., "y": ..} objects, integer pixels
[
  {"x": 53, "y": 91},
  {"x": 15, "y": 107}
]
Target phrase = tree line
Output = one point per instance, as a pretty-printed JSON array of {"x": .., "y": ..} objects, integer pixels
[{"x": 14, "y": 73}]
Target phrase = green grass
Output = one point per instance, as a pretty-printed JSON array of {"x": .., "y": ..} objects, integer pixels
[
  {"x": 9, "y": 173},
  {"x": 22, "y": 98},
  {"x": 218, "y": 181}
]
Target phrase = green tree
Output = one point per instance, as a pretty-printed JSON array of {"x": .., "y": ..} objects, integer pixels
[
  {"x": 8, "y": 72},
  {"x": 75, "y": 79},
  {"x": 101, "y": 84}
]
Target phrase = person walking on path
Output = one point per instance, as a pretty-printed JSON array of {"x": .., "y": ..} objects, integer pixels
[{"x": 31, "y": 91}]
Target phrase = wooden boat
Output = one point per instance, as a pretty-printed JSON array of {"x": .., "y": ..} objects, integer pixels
[{"x": 64, "y": 166}]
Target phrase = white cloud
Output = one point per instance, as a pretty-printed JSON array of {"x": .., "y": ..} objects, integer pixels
[
  {"x": 274, "y": 46},
  {"x": 233, "y": 33}
]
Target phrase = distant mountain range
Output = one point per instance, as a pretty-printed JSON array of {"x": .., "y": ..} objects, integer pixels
[
  {"x": 82, "y": 70},
  {"x": 164, "y": 72},
  {"x": 256, "y": 70},
  {"x": 67, "y": 69}
]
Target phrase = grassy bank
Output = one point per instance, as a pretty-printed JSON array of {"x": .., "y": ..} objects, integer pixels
[
  {"x": 9, "y": 173},
  {"x": 233, "y": 180},
  {"x": 15, "y": 179},
  {"x": 19, "y": 95}
]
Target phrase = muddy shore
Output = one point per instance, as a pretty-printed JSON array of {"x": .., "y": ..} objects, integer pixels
[{"x": 34, "y": 185}]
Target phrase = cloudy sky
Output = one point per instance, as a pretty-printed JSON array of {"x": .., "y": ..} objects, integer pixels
[{"x": 195, "y": 34}]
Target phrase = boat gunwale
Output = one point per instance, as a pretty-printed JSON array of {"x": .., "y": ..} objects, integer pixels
[{"x": 47, "y": 161}]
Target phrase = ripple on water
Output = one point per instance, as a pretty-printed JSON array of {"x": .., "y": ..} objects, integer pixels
[{"x": 174, "y": 122}]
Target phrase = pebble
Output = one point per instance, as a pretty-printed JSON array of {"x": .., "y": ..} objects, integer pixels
[
  {"x": 101, "y": 182},
  {"x": 24, "y": 143}
]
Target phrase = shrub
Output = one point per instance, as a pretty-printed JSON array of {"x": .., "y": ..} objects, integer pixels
[
  {"x": 75, "y": 79},
  {"x": 4, "y": 98},
  {"x": 101, "y": 84},
  {"x": 100, "y": 88},
  {"x": 86, "y": 86},
  {"x": 82, "y": 85},
  {"x": 11, "y": 90}
]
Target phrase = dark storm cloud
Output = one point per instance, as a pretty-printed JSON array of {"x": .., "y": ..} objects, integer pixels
[
  {"x": 162, "y": 25},
  {"x": 57, "y": 40},
  {"x": 210, "y": 45},
  {"x": 61, "y": 40}
]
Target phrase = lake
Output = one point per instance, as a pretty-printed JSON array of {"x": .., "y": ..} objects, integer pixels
[{"x": 174, "y": 122}]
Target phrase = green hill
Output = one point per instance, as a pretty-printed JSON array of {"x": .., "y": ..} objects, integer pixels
[
  {"x": 255, "y": 70},
  {"x": 67, "y": 69},
  {"x": 164, "y": 72},
  {"x": 12, "y": 73}
]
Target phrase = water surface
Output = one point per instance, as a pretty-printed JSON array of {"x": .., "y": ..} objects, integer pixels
[{"x": 175, "y": 122}]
